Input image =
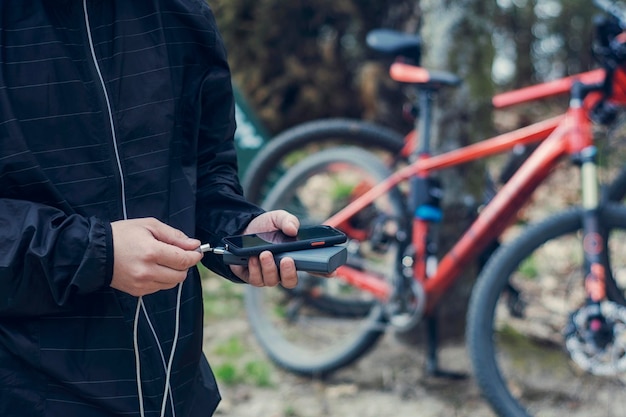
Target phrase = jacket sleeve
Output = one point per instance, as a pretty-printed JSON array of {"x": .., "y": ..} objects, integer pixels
[
  {"x": 48, "y": 257},
  {"x": 221, "y": 208}
]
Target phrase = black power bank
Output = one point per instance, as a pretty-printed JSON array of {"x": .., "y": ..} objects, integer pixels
[{"x": 322, "y": 260}]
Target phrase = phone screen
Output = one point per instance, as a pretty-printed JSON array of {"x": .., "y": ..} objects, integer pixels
[
  {"x": 262, "y": 239},
  {"x": 272, "y": 240}
]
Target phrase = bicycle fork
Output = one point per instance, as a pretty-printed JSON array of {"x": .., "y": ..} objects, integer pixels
[{"x": 591, "y": 336}]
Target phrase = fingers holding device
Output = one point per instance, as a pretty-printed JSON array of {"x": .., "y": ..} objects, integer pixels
[{"x": 313, "y": 249}]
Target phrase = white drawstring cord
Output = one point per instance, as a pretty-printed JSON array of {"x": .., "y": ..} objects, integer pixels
[
  {"x": 168, "y": 368},
  {"x": 109, "y": 110},
  {"x": 137, "y": 364},
  {"x": 171, "y": 360},
  {"x": 143, "y": 307}
]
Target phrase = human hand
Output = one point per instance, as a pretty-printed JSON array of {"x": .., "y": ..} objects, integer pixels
[
  {"x": 262, "y": 270},
  {"x": 150, "y": 256}
]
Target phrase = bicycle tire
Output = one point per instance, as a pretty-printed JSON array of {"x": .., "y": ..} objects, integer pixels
[
  {"x": 318, "y": 342},
  {"x": 272, "y": 160},
  {"x": 514, "y": 347}
]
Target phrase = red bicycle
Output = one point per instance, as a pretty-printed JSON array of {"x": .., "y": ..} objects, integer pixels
[{"x": 554, "y": 295}]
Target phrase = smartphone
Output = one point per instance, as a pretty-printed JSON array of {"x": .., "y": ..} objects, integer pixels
[{"x": 309, "y": 237}]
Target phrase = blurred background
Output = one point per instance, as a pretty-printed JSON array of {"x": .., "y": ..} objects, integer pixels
[
  {"x": 302, "y": 60},
  {"x": 306, "y": 59}
]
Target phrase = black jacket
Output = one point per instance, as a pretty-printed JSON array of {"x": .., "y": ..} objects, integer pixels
[{"x": 109, "y": 109}]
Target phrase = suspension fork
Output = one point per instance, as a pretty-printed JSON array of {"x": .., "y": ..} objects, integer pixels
[
  {"x": 594, "y": 250},
  {"x": 599, "y": 281},
  {"x": 593, "y": 243},
  {"x": 596, "y": 269}
]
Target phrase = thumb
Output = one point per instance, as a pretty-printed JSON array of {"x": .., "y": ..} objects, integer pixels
[
  {"x": 172, "y": 236},
  {"x": 274, "y": 220},
  {"x": 286, "y": 222}
]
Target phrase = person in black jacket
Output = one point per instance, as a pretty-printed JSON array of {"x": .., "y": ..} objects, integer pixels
[{"x": 116, "y": 148}]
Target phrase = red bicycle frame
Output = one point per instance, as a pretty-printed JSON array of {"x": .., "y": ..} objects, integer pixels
[{"x": 563, "y": 135}]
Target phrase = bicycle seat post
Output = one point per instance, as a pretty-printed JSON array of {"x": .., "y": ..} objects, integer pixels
[{"x": 426, "y": 98}]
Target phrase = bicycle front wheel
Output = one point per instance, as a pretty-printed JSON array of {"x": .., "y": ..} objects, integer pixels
[
  {"x": 325, "y": 324},
  {"x": 531, "y": 349},
  {"x": 295, "y": 143}
]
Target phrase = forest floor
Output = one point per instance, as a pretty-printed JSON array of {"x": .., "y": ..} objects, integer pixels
[{"x": 389, "y": 381}]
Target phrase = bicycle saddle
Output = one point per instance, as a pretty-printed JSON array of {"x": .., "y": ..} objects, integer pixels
[
  {"x": 391, "y": 42},
  {"x": 412, "y": 74}
]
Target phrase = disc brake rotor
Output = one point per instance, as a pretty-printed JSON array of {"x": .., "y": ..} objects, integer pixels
[{"x": 596, "y": 339}]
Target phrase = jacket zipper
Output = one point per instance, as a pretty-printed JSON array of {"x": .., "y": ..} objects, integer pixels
[{"x": 110, "y": 112}]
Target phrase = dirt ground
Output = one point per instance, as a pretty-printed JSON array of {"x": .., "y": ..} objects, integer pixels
[{"x": 389, "y": 381}]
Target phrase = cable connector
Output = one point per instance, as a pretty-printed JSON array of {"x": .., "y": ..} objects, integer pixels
[{"x": 207, "y": 248}]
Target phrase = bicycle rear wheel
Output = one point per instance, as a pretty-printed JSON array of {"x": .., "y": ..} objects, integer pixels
[
  {"x": 290, "y": 146},
  {"x": 524, "y": 316},
  {"x": 324, "y": 324}
]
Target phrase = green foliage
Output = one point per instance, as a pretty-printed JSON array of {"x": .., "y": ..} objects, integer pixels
[
  {"x": 290, "y": 411},
  {"x": 232, "y": 368},
  {"x": 231, "y": 348},
  {"x": 529, "y": 268},
  {"x": 232, "y": 360},
  {"x": 258, "y": 373},
  {"x": 227, "y": 373},
  {"x": 222, "y": 298}
]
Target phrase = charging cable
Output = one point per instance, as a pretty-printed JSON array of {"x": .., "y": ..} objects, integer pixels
[{"x": 167, "y": 367}]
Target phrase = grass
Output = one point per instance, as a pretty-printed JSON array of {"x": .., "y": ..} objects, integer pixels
[
  {"x": 257, "y": 373},
  {"x": 222, "y": 298},
  {"x": 234, "y": 359},
  {"x": 232, "y": 368},
  {"x": 528, "y": 268}
]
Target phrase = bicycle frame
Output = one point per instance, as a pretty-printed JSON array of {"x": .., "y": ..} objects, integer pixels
[{"x": 568, "y": 134}]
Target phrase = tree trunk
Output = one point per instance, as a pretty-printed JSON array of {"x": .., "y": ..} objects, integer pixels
[{"x": 457, "y": 39}]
